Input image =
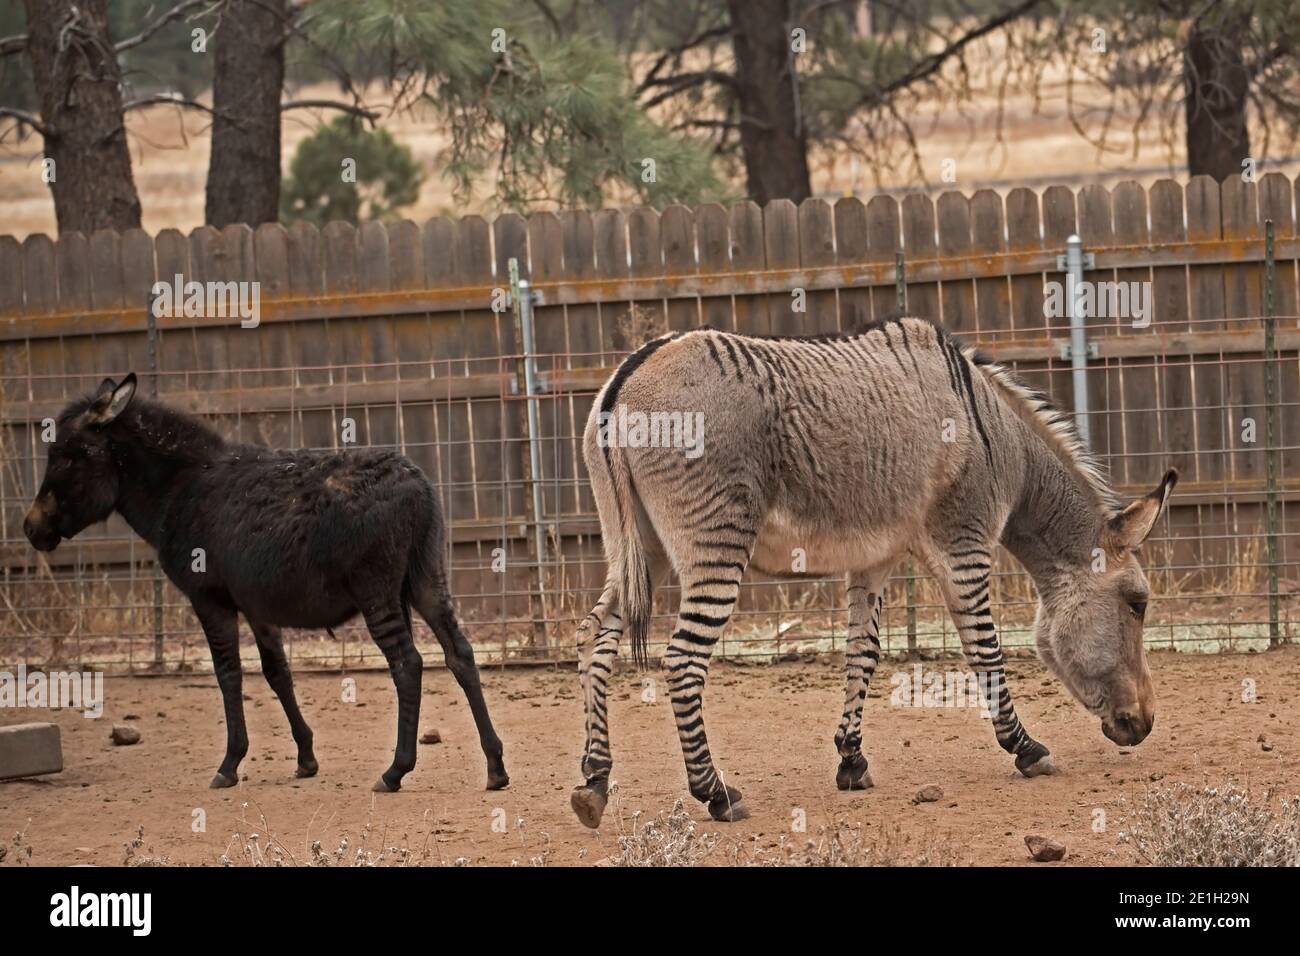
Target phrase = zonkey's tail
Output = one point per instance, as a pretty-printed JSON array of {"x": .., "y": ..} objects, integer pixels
[{"x": 625, "y": 552}]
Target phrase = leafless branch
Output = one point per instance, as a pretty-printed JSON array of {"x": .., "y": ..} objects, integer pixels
[
  {"x": 175, "y": 13},
  {"x": 29, "y": 119},
  {"x": 652, "y": 78},
  {"x": 167, "y": 99},
  {"x": 368, "y": 115},
  {"x": 931, "y": 64}
]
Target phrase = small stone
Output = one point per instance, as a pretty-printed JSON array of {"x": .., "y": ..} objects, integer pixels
[
  {"x": 131, "y": 717},
  {"x": 1266, "y": 746},
  {"x": 431, "y": 737},
  {"x": 1045, "y": 849},
  {"x": 930, "y": 794},
  {"x": 124, "y": 735},
  {"x": 1157, "y": 775}
]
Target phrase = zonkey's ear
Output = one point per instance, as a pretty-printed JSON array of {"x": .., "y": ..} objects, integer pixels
[
  {"x": 1131, "y": 526},
  {"x": 111, "y": 400}
]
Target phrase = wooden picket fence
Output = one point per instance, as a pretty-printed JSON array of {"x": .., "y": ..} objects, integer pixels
[{"x": 404, "y": 333}]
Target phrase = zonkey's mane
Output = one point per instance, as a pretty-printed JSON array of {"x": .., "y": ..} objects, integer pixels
[{"x": 1055, "y": 426}]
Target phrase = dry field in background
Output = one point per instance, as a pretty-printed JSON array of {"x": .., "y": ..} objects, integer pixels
[{"x": 1037, "y": 147}]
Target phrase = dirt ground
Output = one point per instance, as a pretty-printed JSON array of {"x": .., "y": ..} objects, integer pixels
[{"x": 770, "y": 729}]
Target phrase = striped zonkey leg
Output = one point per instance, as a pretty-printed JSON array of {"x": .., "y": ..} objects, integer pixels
[
  {"x": 709, "y": 591},
  {"x": 967, "y": 594},
  {"x": 388, "y": 627},
  {"x": 598, "y": 637},
  {"x": 861, "y": 656}
]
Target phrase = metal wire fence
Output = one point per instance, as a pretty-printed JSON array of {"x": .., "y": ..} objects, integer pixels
[{"x": 491, "y": 403}]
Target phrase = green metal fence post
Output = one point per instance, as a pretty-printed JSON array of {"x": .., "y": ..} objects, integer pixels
[
  {"x": 152, "y": 326},
  {"x": 900, "y": 284},
  {"x": 1270, "y": 431}
]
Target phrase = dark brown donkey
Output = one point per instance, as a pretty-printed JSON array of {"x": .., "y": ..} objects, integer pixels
[{"x": 289, "y": 538}]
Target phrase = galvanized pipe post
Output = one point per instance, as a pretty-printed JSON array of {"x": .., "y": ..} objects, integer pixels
[
  {"x": 521, "y": 294},
  {"x": 1074, "y": 264}
]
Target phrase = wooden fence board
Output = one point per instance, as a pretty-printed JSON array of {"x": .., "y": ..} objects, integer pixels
[
  {"x": 884, "y": 242},
  {"x": 279, "y": 356},
  {"x": 816, "y": 230},
  {"x": 1243, "y": 300},
  {"x": 178, "y": 349},
  {"x": 1134, "y": 389},
  {"x": 992, "y": 296},
  {"x": 747, "y": 252},
  {"x": 851, "y": 248},
  {"x": 957, "y": 297},
  {"x": 919, "y": 242},
  {"x": 112, "y": 353},
  {"x": 713, "y": 234},
  {"x": 610, "y": 236},
  {"x": 1171, "y": 314},
  {"x": 212, "y": 355},
  {"x": 582, "y": 346},
  {"x": 1205, "y": 293},
  {"x": 677, "y": 233}
]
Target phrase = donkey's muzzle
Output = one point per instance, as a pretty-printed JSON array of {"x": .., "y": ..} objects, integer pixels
[
  {"x": 40, "y": 530},
  {"x": 1127, "y": 729}
]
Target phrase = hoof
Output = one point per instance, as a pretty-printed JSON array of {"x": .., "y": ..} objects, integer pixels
[
  {"x": 589, "y": 804},
  {"x": 1035, "y": 761},
  {"x": 223, "y": 782},
  {"x": 307, "y": 769},
  {"x": 498, "y": 780},
  {"x": 1044, "y": 765},
  {"x": 725, "y": 806},
  {"x": 853, "y": 774},
  {"x": 383, "y": 786}
]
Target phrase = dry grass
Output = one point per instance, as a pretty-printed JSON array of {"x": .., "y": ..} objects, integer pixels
[
  {"x": 670, "y": 839},
  {"x": 639, "y": 325},
  {"x": 1222, "y": 825},
  {"x": 849, "y": 844},
  {"x": 255, "y": 844},
  {"x": 18, "y": 851}
]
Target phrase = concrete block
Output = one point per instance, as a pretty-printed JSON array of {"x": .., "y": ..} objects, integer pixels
[{"x": 27, "y": 750}]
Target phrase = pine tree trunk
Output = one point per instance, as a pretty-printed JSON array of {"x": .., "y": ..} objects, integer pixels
[
  {"x": 248, "y": 74},
  {"x": 76, "y": 75},
  {"x": 772, "y": 139},
  {"x": 1215, "y": 108}
]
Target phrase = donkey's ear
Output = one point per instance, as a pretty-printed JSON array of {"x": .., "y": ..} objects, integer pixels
[
  {"x": 1131, "y": 526},
  {"x": 111, "y": 401}
]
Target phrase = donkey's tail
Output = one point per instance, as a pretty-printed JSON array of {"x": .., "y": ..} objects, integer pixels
[{"x": 625, "y": 552}]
